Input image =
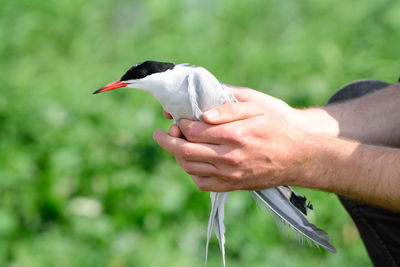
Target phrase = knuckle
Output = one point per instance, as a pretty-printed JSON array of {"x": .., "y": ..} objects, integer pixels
[
  {"x": 185, "y": 151},
  {"x": 224, "y": 131},
  {"x": 237, "y": 137},
  {"x": 234, "y": 158},
  {"x": 188, "y": 167},
  {"x": 190, "y": 132},
  {"x": 232, "y": 177},
  {"x": 236, "y": 176}
]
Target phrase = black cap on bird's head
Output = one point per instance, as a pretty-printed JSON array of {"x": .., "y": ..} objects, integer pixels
[
  {"x": 141, "y": 70},
  {"x": 137, "y": 72}
]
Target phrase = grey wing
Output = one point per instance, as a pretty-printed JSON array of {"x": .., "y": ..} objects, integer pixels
[
  {"x": 281, "y": 206},
  {"x": 300, "y": 202}
]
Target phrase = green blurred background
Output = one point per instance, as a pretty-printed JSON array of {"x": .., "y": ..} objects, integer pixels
[{"x": 82, "y": 183}]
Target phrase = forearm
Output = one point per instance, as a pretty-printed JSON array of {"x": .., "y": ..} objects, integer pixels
[
  {"x": 373, "y": 119},
  {"x": 364, "y": 172}
]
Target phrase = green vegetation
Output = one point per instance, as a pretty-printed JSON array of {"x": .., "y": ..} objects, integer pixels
[{"x": 82, "y": 183}]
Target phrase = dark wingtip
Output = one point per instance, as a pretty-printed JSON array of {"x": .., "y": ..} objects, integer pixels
[{"x": 299, "y": 202}]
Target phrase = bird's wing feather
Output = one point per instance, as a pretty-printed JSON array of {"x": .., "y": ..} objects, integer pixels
[
  {"x": 300, "y": 202},
  {"x": 281, "y": 206},
  {"x": 219, "y": 222},
  {"x": 213, "y": 196}
]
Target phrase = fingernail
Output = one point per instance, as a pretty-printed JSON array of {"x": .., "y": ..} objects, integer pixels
[{"x": 211, "y": 114}]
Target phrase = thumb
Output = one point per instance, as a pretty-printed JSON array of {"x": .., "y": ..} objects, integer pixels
[
  {"x": 244, "y": 94},
  {"x": 229, "y": 112}
]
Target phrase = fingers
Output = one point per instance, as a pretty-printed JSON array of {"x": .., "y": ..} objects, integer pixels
[
  {"x": 244, "y": 94},
  {"x": 211, "y": 183},
  {"x": 222, "y": 131},
  {"x": 201, "y": 132},
  {"x": 197, "y": 168},
  {"x": 197, "y": 160},
  {"x": 232, "y": 112},
  {"x": 184, "y": 149},
  {"x": 174, "y": 131},
  {"x": 204, "y": 174},
  {"x": 231, "y": 86}
]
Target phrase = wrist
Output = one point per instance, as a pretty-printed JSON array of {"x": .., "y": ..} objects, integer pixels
[
  {"x": 316, "y": 121},
  {"x": 359, "y": 171},
  {"x": 321, "y": 159}
]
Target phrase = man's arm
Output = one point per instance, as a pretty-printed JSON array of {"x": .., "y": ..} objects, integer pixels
[
  {"x": 373, "y": 118},
  {"x": 365, "y": 172},
  {"x": 263, "y": 142}
]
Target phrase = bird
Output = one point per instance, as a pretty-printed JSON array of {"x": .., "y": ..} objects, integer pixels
[{"x": 186, "y": 91}]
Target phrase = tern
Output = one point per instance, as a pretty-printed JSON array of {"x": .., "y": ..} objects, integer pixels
[{"x": 186, "y": 91}]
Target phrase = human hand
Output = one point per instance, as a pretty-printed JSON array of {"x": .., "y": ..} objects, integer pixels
[
  {"x": 248, "y": 145},
  {"x": 244, "y": 94}
]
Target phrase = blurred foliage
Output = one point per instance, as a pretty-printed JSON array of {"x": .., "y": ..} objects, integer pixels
[{"x": 82, "y": 183}]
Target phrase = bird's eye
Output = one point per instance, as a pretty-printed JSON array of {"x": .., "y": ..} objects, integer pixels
[{"x": 141, "y": 75}]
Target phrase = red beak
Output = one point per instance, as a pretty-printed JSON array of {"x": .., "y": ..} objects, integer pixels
[{"x": 111, "y": 86}]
